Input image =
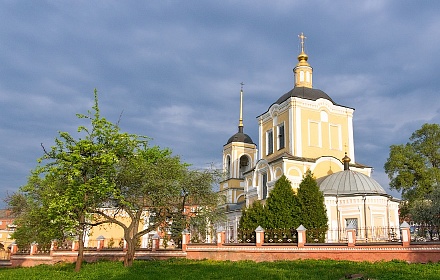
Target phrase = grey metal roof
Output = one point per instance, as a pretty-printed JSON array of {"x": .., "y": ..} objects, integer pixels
[
  {"x": 240, "y": 137},
  {"x": 306, "y": 93},
  {"x": 349, "y": 182}
]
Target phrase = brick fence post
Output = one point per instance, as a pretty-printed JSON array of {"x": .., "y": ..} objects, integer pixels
[
  {"x": 100, "y": 245},
  {"x": 259, "y": 236},
  {"x": 221, "y": 234},
  {"x": 75, "y": 245},
  {"x": 155, "y": 244},
  {"x": 186, "y": 237},
  {"x": 351, "y": 235},
  {"x": 406, "y": 234},
  {"x": 301, "y": 235},
  {"x": 14, "y": 248},
  {"x": 34, "y": 248},
  {"x": 124, "y": 246},
  {"x": 53, "y": 246}
]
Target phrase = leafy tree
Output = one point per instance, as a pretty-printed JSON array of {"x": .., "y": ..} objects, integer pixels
[
  {"x": 254, "y": 216},
  {"x": 426, "y": 211},
  {"x": 282, "y": 206},
  {"x": 155, "y": 186},
  {"x": 435, "y": 206},
  {"x": 414, "y": 168},
  {"x": 92, "y": 180},
  {"x": 197, "y": 189},
  {"x": 77, "y": 176},
  {"x": 33, "y": 224},
  {"x": 421, "y": 211},
  {"x": 313, "y": 215}
]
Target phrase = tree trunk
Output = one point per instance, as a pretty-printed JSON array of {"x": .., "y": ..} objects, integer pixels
[
  {"x": 131, "y": 239},
  {"x": 80, "y": 257},
  {"x": 129, "y": 255}
]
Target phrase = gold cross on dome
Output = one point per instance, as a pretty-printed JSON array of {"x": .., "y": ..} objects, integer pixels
[{"x": 302, "y": 37}]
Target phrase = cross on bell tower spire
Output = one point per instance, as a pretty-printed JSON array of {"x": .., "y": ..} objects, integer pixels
[
  {"x": 240, "y": 121},
  {"x": 303, "y": 71},
  {"x": 302, "y": 37}
]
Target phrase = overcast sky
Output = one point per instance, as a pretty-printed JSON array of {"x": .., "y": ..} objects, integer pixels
[{"x": 174, "y": 68}]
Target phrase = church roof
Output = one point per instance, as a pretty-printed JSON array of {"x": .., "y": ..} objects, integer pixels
[
  {"x": 240, "y": 137},
  {"x": 349, "y": 182},
  {"x": 306, "y": 93}
]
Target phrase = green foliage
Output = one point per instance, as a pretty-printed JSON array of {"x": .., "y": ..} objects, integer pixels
[
  {"x": 75, "y": 177},
  {"x": 280, "y": 212},
  {"x": 426, "y": 211},
  {"x": 414, "y": 168},
  {"x": 254, "y": 216},
  {"x": 33, "y": 225},
  {"x": 208, "y": 269},
  {"x": 286, "y": 210},
  {"x": 282, "y": 206},
  {"x": 90, "y": 179},
  {"x": 313, "y": 214}
]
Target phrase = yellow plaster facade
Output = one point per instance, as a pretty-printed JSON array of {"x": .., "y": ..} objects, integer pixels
[
  {"x": 303, "y": 130},
  {"x": 114, "y": 234}
]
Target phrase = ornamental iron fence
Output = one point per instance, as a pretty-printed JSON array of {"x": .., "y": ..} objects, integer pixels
[
  {"x": 245, "y": 236},
  {"x": 365, "y": 234},
  {"x": 280, "y": 236},
  {"x": 424, "y": 233}
]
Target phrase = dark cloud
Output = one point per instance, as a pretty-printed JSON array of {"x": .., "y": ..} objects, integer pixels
[{"x": 173, "y": 70}]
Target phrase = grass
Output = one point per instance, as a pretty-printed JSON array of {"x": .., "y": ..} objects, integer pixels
[{"x": 187, "y": 269}]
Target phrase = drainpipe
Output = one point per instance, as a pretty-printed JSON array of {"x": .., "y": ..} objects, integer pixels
[
  {"x": 338, "y": 216},
  {"x": 365, "y": 218},
  {"x": 388, "y": 217}
]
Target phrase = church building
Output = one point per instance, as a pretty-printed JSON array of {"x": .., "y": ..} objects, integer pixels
[{"x": 305, "y": 129}]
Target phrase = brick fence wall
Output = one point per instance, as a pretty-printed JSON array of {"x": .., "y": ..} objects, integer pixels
[{"x": 258, "y": 251}]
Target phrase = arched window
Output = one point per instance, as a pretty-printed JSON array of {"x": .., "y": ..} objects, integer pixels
[
  {"x": 244, "y": 165},
  {"x": 228, "y": 167},
  {"x": 264, "y": 185}
]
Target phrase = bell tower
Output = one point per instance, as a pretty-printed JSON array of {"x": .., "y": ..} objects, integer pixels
[{"x": 239, "y": 155}]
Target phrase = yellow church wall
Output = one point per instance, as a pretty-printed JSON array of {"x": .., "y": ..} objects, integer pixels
[
  {"x": 323, "y": 133},
  {"x": 110, "y": 231},
  {"x": 283, "y": 118},
  {"x": 317, "y": 133},
  {"x": 231, "y": 189},
  {"x": 267, "y": 126},
  {"x": 272, "y": 124},
  {"x": 240, "y": 197},
  {"x": 326, "y": 167},
  {"x": 293, "y": 171},
  {"x": 278, "y": 172},
  {"x": 323, "y": 129}
]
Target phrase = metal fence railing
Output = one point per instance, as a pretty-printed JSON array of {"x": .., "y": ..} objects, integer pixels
[
  {"x": 363, "y": 235},
  {"x": 280, "y": 236},
  {"x": 366, "y": 234},
  {"x": 244, "y": 236},
  {"x": 424, "y": 233}
]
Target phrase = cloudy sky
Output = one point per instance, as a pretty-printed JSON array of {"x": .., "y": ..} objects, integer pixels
[{"x": 174, "y": 68}]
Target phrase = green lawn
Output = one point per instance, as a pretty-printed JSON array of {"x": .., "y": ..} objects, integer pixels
[{"x": 199, "y": 270}]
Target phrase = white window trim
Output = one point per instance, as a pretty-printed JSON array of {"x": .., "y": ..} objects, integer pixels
[
  {"x": 319, "y": 133},
  {"x": 278, "y": 136},
  {"x": 268, "y": 133}
]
